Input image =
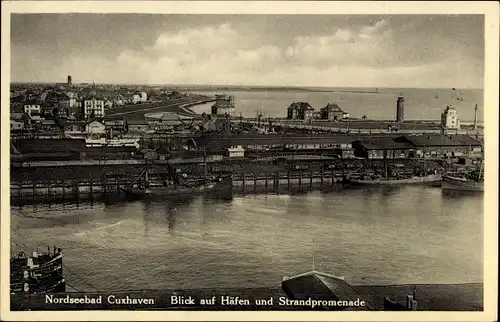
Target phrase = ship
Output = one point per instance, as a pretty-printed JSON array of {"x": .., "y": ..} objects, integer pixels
[
  {"x": 142, "y": 187},
  {"x": 392, "y": 181},
  {"x": 461, "y": 184},
  {"x": 473, "y": 181},
  {"x": 391, "y": 177},
  {"x": 38, "y": 273}
]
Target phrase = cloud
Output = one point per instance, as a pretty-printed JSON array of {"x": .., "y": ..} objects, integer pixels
[{"x": 364, "y": 55}]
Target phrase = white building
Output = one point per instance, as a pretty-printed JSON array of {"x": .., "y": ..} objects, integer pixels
[
  {"x": 32, "y": 109},
  {"x": 449, "y": 119},
  {"x": 93, "y": 107},
  {"x": 95, "y": 128},
  {"x": 235, "y": 152},
  {"x": 144, "y": 97},
  {"x": 136, "y": 98}
]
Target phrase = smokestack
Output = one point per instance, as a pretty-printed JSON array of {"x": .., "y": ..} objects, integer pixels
[{"x": 475, "y": 117}]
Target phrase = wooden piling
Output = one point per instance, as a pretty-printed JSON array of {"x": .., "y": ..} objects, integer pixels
[
  {"x": 311, "y": 181},
  {"x": 321, "y": 174},
  {"x": 266, "y": 183},
  {"x": 288, "y": 177},
  {"x": 243, "y": 181},
  {"x": 300, "y": 181},
  {"x": 254, "y": 182}
]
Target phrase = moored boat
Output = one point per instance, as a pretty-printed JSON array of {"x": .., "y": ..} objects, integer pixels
[
  {"x": 391, "y": 181},
  {"x": 38, "y": 273},
  {"x": 461, "y": 184}
]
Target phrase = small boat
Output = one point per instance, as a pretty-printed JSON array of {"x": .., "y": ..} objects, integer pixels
[
  {"x": 391, "y": 181},
  {"x": 461, "y": 184},
  {"x": 39, "y": 273}
]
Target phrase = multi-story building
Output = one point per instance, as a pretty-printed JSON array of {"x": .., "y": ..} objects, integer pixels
[
  {"x": 300, "y": 111},
  {"x": 93, "y": 107},
  {"x": 333, "y": 112},
  {"x": 449, "y": 119},
  {"x": 32, "y": 108}
]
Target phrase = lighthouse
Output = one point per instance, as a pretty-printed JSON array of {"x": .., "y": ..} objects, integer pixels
[{"x": 400, "y": 109}]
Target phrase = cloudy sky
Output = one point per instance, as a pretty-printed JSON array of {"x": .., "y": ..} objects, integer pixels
[{"x": 292, "y": 50}]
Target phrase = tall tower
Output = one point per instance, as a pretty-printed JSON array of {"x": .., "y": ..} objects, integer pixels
[
  {"x": 400, "y": 109},
  {"x": 69, "y": 80},
  {"x": 475, "y": 117}
]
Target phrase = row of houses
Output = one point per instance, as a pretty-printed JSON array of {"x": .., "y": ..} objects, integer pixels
[
  {"x": 405, "y": 146},
  {"x": 304, "y": 111}
]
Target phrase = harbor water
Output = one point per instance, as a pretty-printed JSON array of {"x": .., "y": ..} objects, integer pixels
[
  {"x": 376, "y": 104},
  {"x": 370, "y": 235}
]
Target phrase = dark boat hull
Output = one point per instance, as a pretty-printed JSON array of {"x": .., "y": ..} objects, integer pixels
[
  {"x": 459, "y": 184},
  {"x": 222, "y": 190}
]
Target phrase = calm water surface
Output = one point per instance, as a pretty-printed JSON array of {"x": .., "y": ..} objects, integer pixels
[
  {"x": 420, "y": 104},
  {"x": 389, "y": 235}
]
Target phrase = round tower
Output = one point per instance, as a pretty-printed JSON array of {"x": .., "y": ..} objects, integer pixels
[{"x": 400, "y": 109}]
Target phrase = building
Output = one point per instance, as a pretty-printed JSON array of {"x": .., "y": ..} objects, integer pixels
[
  {"x": 136, "y": 98},
  {"x": 300, "y": 111},
  {"x": 333, "y": 112},
  {"x": 32, "y": 108},
  {"x": 236, "y": 151},
  {"x": 443, "y": 146},
  {"x": 144, "y": 97},
  {"x": 224, "y": 105},
  {"x": 16, "y": 125},
  {"x": 383, "y": 147},
  {"x": 93, "y": 107},
  {"x": 95, "y": 128},
  {"x": 16, "y": 111},
  {"x": 137, "y": 126},
  {"x": 449, "y": 119},
  {"x": 115, "y": 125},
  {"x": 69, "y": 81},
  {"x": 400, "y": 110}
]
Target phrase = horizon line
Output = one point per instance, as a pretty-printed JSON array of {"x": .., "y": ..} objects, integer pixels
[{"x": 246, "y": 86}]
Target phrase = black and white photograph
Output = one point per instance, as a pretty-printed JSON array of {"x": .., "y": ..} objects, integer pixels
[{"x": 241, "y": 160}]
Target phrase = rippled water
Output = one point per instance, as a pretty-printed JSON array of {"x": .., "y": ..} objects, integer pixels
[{"x": 388, "y": 235}]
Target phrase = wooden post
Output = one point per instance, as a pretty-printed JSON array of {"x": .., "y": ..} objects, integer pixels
[
  {"x": 63, "y": 190},
  {"x": 277, "y": 182},
  {"x": 254, "y": 182},
  {"x": 300, "y": 181},
  {"x": 288, "y": 176},
  {"x": 311, "y": 181},
  {"x": 321, "y": 179},
  {"x": 34, "y": 189},
  {"x": 266, "y": 182},
  {"x": 91, "y": 189},
  {"x": 105, "y": 184},
  {"x": 333, "y": 178},
  {"x": 243, "y": 182}
]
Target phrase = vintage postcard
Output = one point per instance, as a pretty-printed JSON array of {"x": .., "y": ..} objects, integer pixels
[{"x": 249, "y": 161}]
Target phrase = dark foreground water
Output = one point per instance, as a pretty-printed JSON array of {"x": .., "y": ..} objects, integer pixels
[{"x": 390, "y": 235}]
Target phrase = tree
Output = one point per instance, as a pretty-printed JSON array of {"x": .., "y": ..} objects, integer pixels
[{"x": 364, "y": 117}]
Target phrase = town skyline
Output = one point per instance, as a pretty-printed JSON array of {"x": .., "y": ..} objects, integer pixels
[{"x": 327, "y": 51}]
